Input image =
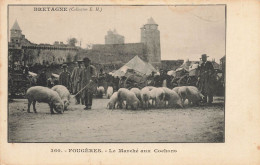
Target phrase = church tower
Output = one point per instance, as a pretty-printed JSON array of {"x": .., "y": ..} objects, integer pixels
[
  {"x": 16, "y": 34},
  {"x": 150, "y": 36}
]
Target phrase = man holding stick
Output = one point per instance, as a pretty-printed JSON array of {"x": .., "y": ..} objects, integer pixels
[{"x": 87, "y": 76}]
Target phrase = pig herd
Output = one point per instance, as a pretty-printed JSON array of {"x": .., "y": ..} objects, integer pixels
[
  {"x": 153, "y": 97},
  {"x": 58, "y": 97}
]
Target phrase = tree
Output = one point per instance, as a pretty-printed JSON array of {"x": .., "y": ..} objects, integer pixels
[{"x": 72, "y": 41}]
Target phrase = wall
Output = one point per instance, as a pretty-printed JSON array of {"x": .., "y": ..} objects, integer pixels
[
  {"x": 49, "y": 56},
  {"x": 114, "y": 53}
]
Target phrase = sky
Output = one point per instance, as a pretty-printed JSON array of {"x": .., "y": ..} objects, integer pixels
[{"x": 186, "y": 32}]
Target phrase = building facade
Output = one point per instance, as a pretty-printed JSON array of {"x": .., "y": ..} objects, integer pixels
[{"x": 23, "y": 52}]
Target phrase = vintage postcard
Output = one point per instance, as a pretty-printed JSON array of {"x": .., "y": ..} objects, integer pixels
[{"x": 130, "y": 82}]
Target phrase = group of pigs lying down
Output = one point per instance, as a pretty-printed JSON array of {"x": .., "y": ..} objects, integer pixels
[
  {"x": 150, "y": 96},
  {"x": 58, "y": 97}
]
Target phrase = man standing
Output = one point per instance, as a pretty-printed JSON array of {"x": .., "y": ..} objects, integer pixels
[
  {"x": 75, "y": 80},
  {"x": 42, "y": 79},
  {"x": 65, "y": 78},
  {"x": 88, "y": 75},
  {"x": 206, "y": 79}
]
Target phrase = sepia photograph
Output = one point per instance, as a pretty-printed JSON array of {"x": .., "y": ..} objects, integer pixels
[{"x": 116, "y": 73}]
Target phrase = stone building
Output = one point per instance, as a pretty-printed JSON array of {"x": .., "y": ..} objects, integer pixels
[
  {"x": 148, "y": 49},
  {"x": 150, "y": 36},
  {"x": 21, "y": 51},
  {"x": 113, "y": 37}
]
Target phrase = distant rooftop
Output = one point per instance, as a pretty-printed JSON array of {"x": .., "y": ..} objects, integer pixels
[{"x": 16, "y": 26}]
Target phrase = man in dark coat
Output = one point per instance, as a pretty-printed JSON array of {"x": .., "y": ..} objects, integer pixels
[
  {"x": 65, "y": 77},
  {"x": 206, "y": 79},
  {"x": 88, "y": 75},
  {"x": 116, "y": 83},
  {"x": 42, "y": 79}
]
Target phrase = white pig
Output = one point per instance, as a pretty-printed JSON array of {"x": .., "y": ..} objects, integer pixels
[
  {"x": 45, "y": 95},
  {"x": 130, "y": 98},
  {"x": 113, "y": 101},
  {"x": 172, "y": 98},
  {"x": 193, "y": 95},
  {"x": 145, "y": 97},
  {"x": 176, "y": 89},
  {"x": 137, "y": 93},
  {"x": 157, "y": 95},
  {"x": 182, "y": 91},
  {"x": 64, "y": 94}
]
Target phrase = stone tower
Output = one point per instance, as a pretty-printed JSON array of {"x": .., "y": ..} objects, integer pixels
[
  {"x": 150, "y": 36},
  {"x": 16, "y": 34}
]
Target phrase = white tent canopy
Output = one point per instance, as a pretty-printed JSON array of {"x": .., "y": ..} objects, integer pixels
[{"x": 137, "y": 65}]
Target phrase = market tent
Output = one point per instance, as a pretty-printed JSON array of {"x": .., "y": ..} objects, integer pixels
[{"x": 136, "y": 64}]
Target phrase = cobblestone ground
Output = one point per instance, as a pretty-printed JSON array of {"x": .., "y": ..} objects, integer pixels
[{"x": 191, "y": 124}]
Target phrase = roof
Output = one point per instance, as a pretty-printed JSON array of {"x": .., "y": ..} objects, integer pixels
[
  {"x": 16, "y": 26},
  {"x": 151, "y": 21},
  {"x": 137, "y": 65}
]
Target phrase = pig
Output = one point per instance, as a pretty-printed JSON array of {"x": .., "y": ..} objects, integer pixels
[
  {"x": 172, "y": 98},
  {"x": 194, "y": 88},
  {"x": 176, "y": 89},
  {"x": 145, "y": 97},
  {"x": 137, "y": 93},
  {"x": 109, "y": 92},
  {"x": 157, "y": 95},
  {"x": 150, "y": 87},
  {"x": 193, "y": 95},
  {"x": 100, "y": 91},
  {"x": 45, "y": 95},
  {"x": 113, "y": 101},
  {"x": 153, "y": 96},
  {"x": 64, "y": 94},
  {"x": 182, "y": 91},
  {"x": 130, "y": 98},
  {"x": 160, "y": 95}
]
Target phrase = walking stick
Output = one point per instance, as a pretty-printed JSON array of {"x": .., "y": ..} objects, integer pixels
[{"x": 84, "y": 88}]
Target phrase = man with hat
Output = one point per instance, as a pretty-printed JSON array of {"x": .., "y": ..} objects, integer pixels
[
  {"x": 88, "y": 75},
  {"x": 65, "y": 76},
  {"x": 75, "y": 79},
  {"x": 42, "y": 79},
  {"x": 206, "y": 79}
]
